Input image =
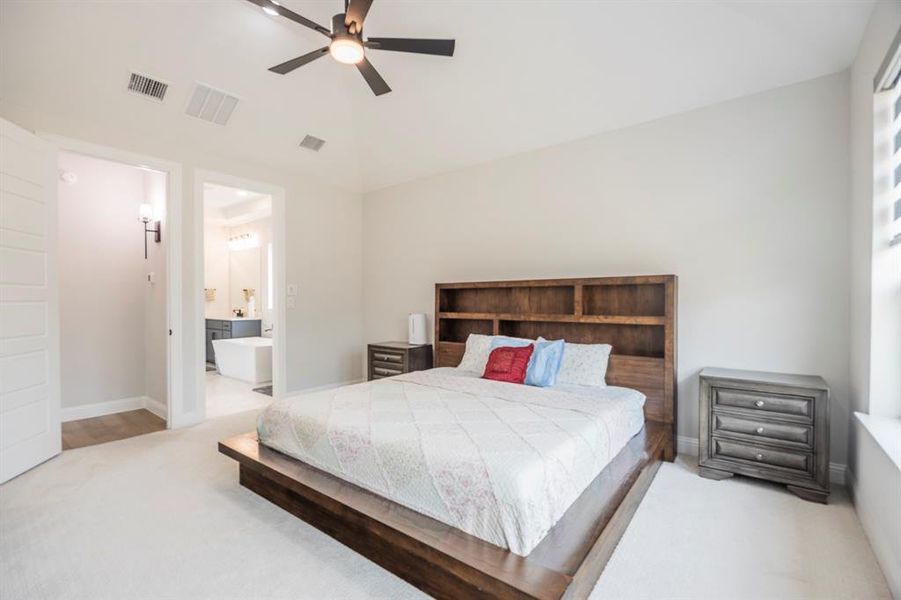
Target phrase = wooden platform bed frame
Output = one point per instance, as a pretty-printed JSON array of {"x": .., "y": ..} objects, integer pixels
[{"x": 637, "y": 316}]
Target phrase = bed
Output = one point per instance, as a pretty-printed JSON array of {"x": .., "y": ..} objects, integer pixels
[{"x": 473, "y": 488}]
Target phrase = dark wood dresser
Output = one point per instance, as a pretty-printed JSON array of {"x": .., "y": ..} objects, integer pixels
[
  {"x": 771, "y": 426},
  {"x": 393, "y": 358}
]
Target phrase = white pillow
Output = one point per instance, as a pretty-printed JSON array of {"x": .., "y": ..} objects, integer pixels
[
  {"x": 478, "y": 347},
  {"x": 584, "y": 364}
]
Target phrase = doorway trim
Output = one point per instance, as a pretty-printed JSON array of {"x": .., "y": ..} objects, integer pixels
[
  {"x": 173, "y": 171},
  {"x": 279, "y": 357}
]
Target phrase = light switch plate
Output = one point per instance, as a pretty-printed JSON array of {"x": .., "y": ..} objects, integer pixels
[
  {"x": 292, "y": 289},
  {"x": 290, "y": 303}
]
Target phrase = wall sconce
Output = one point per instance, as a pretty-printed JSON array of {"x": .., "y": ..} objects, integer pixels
[{"x": 145, "y": 215}]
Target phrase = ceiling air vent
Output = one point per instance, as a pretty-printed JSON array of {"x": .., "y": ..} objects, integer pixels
[
  {"x": 147, "y": 87},
  {"x": 313, "y": 143},
  {"x": 211, "y": 104}
]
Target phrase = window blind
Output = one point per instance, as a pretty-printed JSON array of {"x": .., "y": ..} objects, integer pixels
[
  {"x": 896, "y": 160},
  {"x": 887, "y": 80}
]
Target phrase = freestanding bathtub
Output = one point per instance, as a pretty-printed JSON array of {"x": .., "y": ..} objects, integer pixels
[{"x": 248, "y": 359}]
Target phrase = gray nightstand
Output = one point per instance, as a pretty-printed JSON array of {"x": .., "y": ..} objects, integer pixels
[
  {"x": 771, "y": 426},
  {"x": 393, "y": 358}
]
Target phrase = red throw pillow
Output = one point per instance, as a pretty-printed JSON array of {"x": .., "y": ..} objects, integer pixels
[{"x": 508, "y": 363}]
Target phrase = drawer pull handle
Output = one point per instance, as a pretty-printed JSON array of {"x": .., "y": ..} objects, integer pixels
[
  {"x": 760, "y": 430},
  {"x": 759, "y": 457},
  {"x": 759, "y": 403},
  {"x": 385, "y": 371}
]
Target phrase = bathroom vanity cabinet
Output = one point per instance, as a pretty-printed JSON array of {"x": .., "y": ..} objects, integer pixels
[{"x": 218, "y": 329}]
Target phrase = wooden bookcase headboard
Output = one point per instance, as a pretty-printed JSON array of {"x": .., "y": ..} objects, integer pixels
[{"x": 635, "y": 315}]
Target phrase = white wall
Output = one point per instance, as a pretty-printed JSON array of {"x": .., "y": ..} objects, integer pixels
[
  {"x": 101, "y": 267},
  {"x": 215, "y": 269},
  {"x": 323, "y": 249},
  {"x": 875, "y": 478},
  {"x": 745, "y": 201},
  {"x": 156, "y": 327},
  {"x": 112, "y": 321}
]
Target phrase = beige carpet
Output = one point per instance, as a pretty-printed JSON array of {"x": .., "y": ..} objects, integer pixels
[{"x": 162, "y": 517}]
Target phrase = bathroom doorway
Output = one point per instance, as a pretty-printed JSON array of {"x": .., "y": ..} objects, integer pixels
[{"x": 240, "y": 312}]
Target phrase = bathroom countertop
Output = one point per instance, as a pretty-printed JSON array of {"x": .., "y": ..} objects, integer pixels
[{"x": 233, "y": 318}]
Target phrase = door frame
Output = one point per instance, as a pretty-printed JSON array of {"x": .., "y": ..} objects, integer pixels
[
  {"x": 279, "y": 314},
  {"x": 173, "y": 171}
]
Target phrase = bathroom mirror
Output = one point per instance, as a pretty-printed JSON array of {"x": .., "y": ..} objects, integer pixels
[{"x": 244, "y": 276}]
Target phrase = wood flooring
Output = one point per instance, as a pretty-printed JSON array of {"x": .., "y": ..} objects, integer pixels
[{"x": 109, "y": 428}]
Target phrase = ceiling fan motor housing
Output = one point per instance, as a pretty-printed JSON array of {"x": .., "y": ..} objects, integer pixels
[{"x": 339, "y": 28}]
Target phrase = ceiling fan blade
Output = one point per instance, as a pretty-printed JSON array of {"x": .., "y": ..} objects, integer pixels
[
  {"x": 356, "y": 13},
  {"x": 373, "y": 78},
  {"x": 290, "y": 14},
  {"x": 295, "y": 63},
  {"x": 437, "y": 47}
]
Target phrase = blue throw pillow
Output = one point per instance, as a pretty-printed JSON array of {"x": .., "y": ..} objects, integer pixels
[
  {"x": 499, "y": 341},
  {"x": 545, "y": 363}
]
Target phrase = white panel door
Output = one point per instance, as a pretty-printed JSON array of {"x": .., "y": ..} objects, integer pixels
[{"x": 29, "y": 307}]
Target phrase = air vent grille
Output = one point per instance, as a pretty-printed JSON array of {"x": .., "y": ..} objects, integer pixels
[
  {"x": 313, "y": 143},
  {"x": 211, "y": 104},
  {"x": 147, "y": 87}
]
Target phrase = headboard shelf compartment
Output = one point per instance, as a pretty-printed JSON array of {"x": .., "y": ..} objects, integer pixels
[
  {"x": 551, "y": 318},
  {"x": 636, "y": 315},
  {"x": 625, "y": 300},
  {"x": 535, "y": 300},
  {"x": 457, "y": 330}
]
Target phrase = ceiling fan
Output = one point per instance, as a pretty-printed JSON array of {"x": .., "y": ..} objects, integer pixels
[{"x": 348, "y": 44}]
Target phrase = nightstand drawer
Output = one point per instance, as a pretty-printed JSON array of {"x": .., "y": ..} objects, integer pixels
[
  {"x": 776, "y": 404},
  {"x": 800, "y": 436},
  {"x": 785, "y": 459},
  {"x": 386, "y": 357},
  {"x": 383, "y": 372},
  {"x": 394, "y": 367}
]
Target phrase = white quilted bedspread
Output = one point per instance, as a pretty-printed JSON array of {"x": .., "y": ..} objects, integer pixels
[{"x": 502, "y": 462}]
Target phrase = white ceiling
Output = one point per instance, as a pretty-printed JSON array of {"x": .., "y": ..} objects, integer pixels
[
  {"x": 228, "y": 206},
  {"x": 221, "y": 196},
  {"x": 526, "y": 74}
]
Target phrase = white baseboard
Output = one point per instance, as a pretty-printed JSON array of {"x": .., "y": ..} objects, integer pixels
[
  {"x": 156, "y": 407},
  {"x": 851, "y": 484},
  {"x": 689, "y": 445},
  {"x": 838, "y": 473},
  {"x": 100, "y": 409}
]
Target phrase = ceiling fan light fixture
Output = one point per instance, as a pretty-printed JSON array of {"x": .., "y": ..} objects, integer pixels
[{"x": 346, "y": 50}]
